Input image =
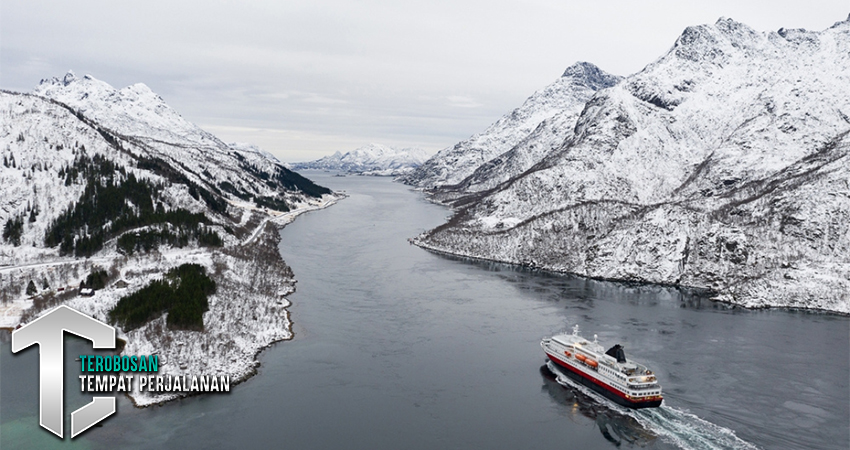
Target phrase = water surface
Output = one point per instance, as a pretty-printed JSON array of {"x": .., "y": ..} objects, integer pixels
[{"x": 396, "y": 347}]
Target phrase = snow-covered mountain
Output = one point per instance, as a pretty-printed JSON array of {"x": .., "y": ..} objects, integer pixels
[
  {"x": 52, "y": 139},
  {"x": 371, "y": 159},
  {"x": 247, "y": 149},
  {"x": 140, "y": 117},
  {"x": 514, "y": 142},
  {"x": 98, "y": 178},
  {"x": 722, "y": 165}
]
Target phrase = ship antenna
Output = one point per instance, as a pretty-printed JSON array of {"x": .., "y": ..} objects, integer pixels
[
  {"x": 575, "y": 330},
  {"x": 595, "y": 339}
]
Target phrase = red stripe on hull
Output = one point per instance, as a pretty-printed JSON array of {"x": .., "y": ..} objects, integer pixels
[{"x": 596, "y": 381}]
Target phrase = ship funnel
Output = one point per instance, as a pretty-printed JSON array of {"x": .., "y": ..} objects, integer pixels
[{"x": 617, "y": 352}]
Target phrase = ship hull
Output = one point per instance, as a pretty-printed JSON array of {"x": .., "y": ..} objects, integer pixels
[{"x": 600, "y": 387}]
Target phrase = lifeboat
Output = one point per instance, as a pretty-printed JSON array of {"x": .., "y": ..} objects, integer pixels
[
  {"x": 568, "y": 353},
  {"x": 591, "y": 363},
  {"x": 581, "y": 357}
]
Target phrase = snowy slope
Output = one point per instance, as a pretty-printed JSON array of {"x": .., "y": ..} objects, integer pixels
[
  {"x": 38, "y": 138},
  {"x": 77, "y": 136},
  {"x": 370, "y": 159},
  {"x": 560, "y": 103},
  {"x": 152, "y": 129},
  {"x": 547, "y": 137},
  {"x": 248, "y": 149},
  {"x": 721, "y": 165},
  {"x": 134, "y": 110}
]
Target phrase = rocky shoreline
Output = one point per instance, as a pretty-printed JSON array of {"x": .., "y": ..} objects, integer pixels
[{"x": 247, "y": 314}]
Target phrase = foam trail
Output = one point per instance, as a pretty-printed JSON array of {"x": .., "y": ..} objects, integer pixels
[{"x": 681, "y": 428}]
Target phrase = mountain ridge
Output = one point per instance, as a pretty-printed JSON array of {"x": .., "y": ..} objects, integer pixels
[
  {"x": 568, "y": 93},
  {"x": 696, "y": 171},
  {"x": 370, "y": 159},
  {"x": 114, "y": 185}
]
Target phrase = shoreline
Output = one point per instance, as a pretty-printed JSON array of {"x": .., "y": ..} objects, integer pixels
[
  {"x": 258, "y": 239},
  {"x": 710, "y": 294},
  {"x": 255, "y": 364},
  {"x": 248, "y": 313}
]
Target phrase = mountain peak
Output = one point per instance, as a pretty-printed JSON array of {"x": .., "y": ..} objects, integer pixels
[
  {"x": 579, "y": 68},
  {"x": 554, "y": 107},
  {"x": 736, "y": 31},
  {"x": 590, "y": 75},
  {"x": 134, "y": 110},
  {"x": 69, "y": 78},
  {"x": 70, "y": 82}
]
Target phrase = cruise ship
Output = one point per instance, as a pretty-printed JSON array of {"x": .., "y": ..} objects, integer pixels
[{"x": 607, "y": 372}]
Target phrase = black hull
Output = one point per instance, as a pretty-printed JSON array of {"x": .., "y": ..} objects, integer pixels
[{"x": 605, "y": 392}]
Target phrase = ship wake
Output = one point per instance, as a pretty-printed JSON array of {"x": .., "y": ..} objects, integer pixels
[{"x": 681, "y": 428}]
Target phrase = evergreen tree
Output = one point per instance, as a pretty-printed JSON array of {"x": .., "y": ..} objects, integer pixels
[
  {"x": 183, "y": 294},
  {"x": 13, "y": 230},
  {"x": 31, "y": 289},
  {"x": 96, "y": 279}
]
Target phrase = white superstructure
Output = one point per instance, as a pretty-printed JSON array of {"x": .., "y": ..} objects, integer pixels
[{"x": 626, "y": 382}]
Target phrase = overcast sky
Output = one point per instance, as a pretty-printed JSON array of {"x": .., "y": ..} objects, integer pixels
[{"x": 303, "y": 79}]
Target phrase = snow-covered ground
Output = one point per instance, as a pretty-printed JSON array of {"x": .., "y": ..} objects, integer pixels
[
  {"x": 68, "y": 123},
  {"x": 722, "y": 165},
  {"x": 246, "y": 314},
  {"x": 11, "y": 312}
]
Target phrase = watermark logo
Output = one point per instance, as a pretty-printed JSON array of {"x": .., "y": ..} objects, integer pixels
[{"x": 48, "y": 333}]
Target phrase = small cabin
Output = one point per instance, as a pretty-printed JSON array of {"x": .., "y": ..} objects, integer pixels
[{"x": 87, "y": 292}]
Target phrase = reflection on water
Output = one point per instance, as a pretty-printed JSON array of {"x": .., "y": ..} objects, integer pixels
[
  {"x": 666, "y": 424},
  {"x": 557, "y": 287},
  {"x": 616, "y": 427}
]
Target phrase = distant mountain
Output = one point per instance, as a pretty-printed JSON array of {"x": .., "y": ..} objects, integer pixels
[
  {"x": 722, "y": 165},
  {"x": 371, "y": 159},
  {"x": 511, "y": 144}
]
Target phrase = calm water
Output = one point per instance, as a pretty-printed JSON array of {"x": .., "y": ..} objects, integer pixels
[{"x": 396, "y": 347}]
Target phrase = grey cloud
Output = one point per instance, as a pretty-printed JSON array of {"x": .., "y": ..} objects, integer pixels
[{"x": 304, "y": 79}]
